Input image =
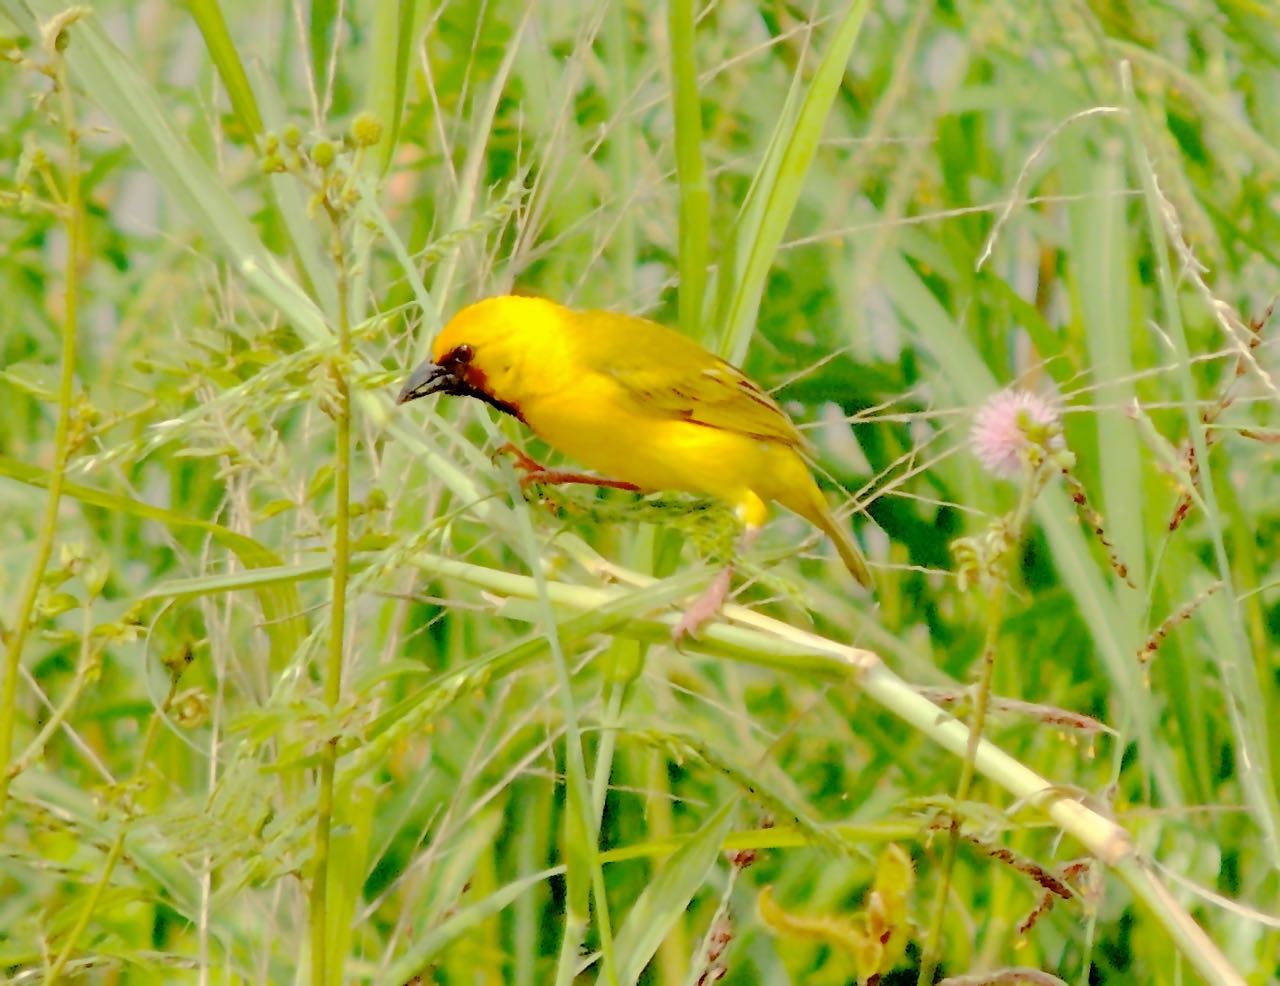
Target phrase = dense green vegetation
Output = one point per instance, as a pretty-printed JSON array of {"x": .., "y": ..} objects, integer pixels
[{"x": 298, "y": 687}]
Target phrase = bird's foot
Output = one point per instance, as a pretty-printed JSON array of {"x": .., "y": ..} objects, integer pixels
[
  {"x": 522, "y": 461},
  {"x": 533, "y": 473},
  {"x": 705, "y": 608}
]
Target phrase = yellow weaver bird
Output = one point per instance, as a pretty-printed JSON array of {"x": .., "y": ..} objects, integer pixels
[{"x": 644, "y": 405}]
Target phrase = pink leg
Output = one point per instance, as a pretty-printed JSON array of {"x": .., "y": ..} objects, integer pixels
[
  {"x": 531, "y": 472},
  {"x": 554, "y": 477},
  {"x": 707, "y": 606}
]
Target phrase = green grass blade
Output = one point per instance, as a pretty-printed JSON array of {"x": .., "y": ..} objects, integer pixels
[
  {"x": 244, "y": 103},
  {"x": 792, "y": 146},
  {"x": 620, "y": 150},
  {"x": 226, "y": 59},
  {"x": 391, "y": 50},
  {"x": 1102, "y": 276},
  {"x": 471, "y": 177},
  {"x": 668, "y": 894},
  {"x": 582, "y": 832},
  {"x": 1242, "y": 689},
  {"x": 321, "y": 26},
  {"x": 281, "y": 605},
  {"x": 691, "y": 168},
  {"x": 461, "y": 922}
]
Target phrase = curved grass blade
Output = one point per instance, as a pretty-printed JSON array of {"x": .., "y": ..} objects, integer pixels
[
  {"x": 667, "y": 896},
  {"x": 279, "y": 600}
]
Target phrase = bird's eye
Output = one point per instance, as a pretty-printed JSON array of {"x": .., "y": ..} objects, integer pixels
[{"x": 464, "y": 354}]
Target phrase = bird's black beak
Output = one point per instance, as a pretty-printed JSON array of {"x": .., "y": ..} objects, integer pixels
[{"x": 427, "y": 379}]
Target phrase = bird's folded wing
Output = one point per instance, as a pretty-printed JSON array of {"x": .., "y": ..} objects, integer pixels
[{"x": 678, "y": 379}]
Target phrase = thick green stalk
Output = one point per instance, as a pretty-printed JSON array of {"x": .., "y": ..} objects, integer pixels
[
  {"x": 765, "y": 642},
  {"x": 74, "y": 213}
]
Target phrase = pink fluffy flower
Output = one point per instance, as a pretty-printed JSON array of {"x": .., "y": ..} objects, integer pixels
[{"x": 1010, "y": 427}]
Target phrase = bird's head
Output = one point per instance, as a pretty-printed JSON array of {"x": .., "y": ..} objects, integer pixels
[{"x": 491, "y": 351}]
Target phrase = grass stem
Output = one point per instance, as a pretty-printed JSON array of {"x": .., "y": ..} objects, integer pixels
[
  {"x": 337, "y": 619},
  {"x": 73, "y": 213}
]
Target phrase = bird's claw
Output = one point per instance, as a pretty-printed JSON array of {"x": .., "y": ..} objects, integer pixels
[{"x": 530, "y": 469}]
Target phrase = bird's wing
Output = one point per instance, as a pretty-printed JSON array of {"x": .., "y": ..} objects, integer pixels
[{"x": 663, "y": 373}]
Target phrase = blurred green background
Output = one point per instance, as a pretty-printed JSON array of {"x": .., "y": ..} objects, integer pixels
[{"x": 227, "y": 232}]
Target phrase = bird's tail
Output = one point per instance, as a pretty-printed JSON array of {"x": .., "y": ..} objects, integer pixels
[
  {"x": 815, "y": 509},
  {"x": 846, "y": 547}
]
